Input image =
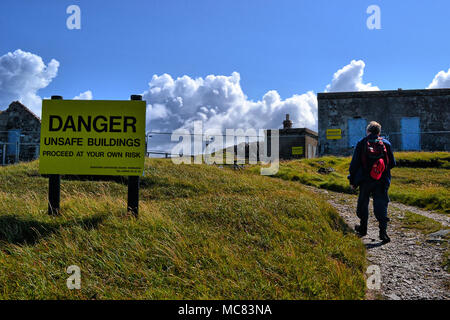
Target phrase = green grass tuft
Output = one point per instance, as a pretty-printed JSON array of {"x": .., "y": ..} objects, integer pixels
[
  {"x": 203, "y": 233},
  {"x": 423, "y": 224},
  {"x": 411, "y": 184}
]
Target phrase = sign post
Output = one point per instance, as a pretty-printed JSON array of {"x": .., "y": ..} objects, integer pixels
[
  {"x": 134, "y": 181},
  {"x": 4, "y": 154},
  {"x": 54, "y": 186},
  {"x": 93, "y": 137}
]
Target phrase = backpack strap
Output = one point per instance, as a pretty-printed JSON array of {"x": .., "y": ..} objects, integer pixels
[
  {"x": 364, "y": 153},
  {"x": 385, "y": 153}
]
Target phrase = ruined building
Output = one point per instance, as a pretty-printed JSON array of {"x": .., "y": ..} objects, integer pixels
[
  {"x": 410, "y": 119},
  {"x": 19, "y": 134},
  {"x": 296, "y": 142}
]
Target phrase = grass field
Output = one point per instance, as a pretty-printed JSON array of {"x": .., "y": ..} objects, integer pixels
[
  {"x": 421, "y": 179},
  {"x": 203, "y": 233},
  {"x": 416, "y": 221}
]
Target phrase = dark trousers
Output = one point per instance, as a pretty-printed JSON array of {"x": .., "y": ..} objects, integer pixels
[{"x": 379, "y": 192}]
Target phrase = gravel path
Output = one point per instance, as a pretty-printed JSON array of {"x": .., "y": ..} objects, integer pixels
[{"x": 411, "y": 268}]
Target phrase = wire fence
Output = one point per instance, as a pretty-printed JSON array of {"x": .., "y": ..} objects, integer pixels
[
  {"x": 248, "y": 138},
  {"x": 20, "y": 151},
  {"x": 11, "y": 153}
]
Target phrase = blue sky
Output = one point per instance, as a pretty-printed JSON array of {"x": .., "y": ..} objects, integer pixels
[
  {"x": 288, "y": 46},
  {"x": 230, "y": 64}
]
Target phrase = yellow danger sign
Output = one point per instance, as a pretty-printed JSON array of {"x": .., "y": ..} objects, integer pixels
[
  {"x": 87, "y": 137},
  {"x": 334, "y": 134},
  {"x": 297, "y": 150}
]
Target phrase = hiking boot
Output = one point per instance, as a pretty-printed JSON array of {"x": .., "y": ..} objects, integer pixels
[
  {"x": 360, "y": 230},
  {"x": 384, "y": 237}
]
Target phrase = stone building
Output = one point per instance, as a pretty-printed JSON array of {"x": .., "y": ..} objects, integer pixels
[
  {"x": 410, "y": 119},
  {"x": 19, "y": 134},
  {"x": 296, "y": 142}
]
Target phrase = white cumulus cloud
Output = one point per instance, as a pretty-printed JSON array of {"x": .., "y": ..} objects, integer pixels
[
  {"x": 217, "y": 100},
  {"x": 350, "y": 78},
  {"x": 441, "y": 80},
  {"x": 22, "y": 74},
  {"x": 220, "y": 103},
  {"x": 87, "y": 95}
]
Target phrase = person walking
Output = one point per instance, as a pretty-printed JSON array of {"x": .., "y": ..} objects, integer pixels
[{"x": 370, "y": 170}]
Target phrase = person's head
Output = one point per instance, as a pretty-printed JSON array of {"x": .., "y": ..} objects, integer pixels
[{"x": 373, "y": 128}]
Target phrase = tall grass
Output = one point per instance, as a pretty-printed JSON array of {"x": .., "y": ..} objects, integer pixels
[
  {"x": 412, "y": 182},
  {"x": 202, "y": 233}
]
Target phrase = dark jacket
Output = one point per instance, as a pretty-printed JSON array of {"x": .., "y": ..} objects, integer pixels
[{"x": 359, "y": 174}]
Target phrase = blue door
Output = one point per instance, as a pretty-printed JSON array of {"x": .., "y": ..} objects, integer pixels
[
  {"x": 410, "y": 133},
  {"x": 356, "y": 131},
  {"x": 13, "y": 139}
]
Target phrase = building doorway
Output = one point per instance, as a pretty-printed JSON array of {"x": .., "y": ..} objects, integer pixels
[
  {"x": 356, "y": 131},
  {"x": 410, "y": 133}
]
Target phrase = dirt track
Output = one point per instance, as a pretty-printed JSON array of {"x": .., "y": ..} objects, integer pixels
[{"x": 411, "y": 267}]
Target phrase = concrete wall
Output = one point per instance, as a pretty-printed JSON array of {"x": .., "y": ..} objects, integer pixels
[
  {"x": 389, "y": 108},
  {"x": 17, "y": 116},
  {"x": 311, "y": 144}
]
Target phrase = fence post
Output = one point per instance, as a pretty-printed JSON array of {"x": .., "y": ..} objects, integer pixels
[
  {"x": 18, "y": 150},
  {"x": 4, "y": 154},
  {"x": 54, "y": 186},
  {"x": 133, "y": 182}
]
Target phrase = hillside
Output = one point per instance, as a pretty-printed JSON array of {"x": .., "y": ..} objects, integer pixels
[
  {"x": 415, "y": 265},
  {"x": 203, "y": 232},
  {"x": 421, "y": 179}
]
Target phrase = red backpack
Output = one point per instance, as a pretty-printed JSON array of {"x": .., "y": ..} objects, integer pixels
[{"x": 374, "y": 157}]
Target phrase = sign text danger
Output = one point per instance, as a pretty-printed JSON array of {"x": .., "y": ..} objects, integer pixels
[
  {"x": 89, "y": 123},
  {"x": 86, "y": 137}
]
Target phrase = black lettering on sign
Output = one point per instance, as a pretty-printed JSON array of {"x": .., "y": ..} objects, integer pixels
[
  {"x": 51, "y": 141},
  {"x": 51, "y": 124},
  {"x": 69, "y": 124},
  {"x": 129, "y": 122},
  {"x": 113, "y": 123},
  {"x": 86, "y": 125},
  {"x": 58, "y": 153},
  {"x": 98, "y": 124},
  {"x": 103, "y": 126}
]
